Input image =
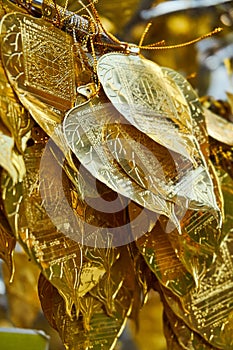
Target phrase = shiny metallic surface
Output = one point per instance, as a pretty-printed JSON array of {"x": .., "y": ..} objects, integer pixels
[{"x": 114, "y": 178}]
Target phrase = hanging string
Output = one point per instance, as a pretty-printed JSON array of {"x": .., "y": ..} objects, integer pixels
[
  {"x": 58, "y": 15},
  {"x": 99, "y": 23},
  {"x": 191, "y": 42},
  {"x": 65, "y": 8},
  {"x": 91, "y": 15},
  {"x": 154, "y": 46},
  {"x": 67, "y": 17},
  {"x": 144, "y": 34}
]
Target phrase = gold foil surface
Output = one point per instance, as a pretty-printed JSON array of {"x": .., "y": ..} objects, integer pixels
[
  {"x": 207, "y": 308},
  {"x": 83, "y": 128},
  {"x": 38, "y": 59},
  {"x": 15, "y": 127},
  {"x": 12, "y": 114},
  {"x": 103, "y": 329},
  {"x": 153, "y": 103},
  {"x": 143, "y": 148},
  {"x": 57, "y": 256},
  {"x": 186, "y": 338}
]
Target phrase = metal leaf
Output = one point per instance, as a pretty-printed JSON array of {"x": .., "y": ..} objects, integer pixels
[
  {"x": 57, "y": 256},
  {"x": 44, "y": 66},
  {"x": 102, "y": 330},
  {"x": 57, "y": 246},
  {"x": 83, "y": 127},
  {"x": 206, "y": 180},
  {"x": 119, "y": 278},
  {"x": 159, "y": 254},
  {"x": 146, "y": 102},
  {"x": 207, "y": 309},
  {"x": 155, "y": 104},
  {"x": 186, "y": 337},
  {"x": 13, "y": 114}
]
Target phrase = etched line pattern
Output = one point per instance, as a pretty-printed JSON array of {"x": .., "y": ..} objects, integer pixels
[
  {"x": 146, "y": 94},
  {"x": 212, "y": 302},
  {"x": 83, "y": 131},
  {"x": 48, "y": 60}
]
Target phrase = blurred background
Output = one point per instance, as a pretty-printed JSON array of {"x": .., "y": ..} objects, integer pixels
[{"x": 208, "y": 67}]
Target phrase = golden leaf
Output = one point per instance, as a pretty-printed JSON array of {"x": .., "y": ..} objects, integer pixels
[
  {"x": 45, "y": 70},
  {"x": 159, "y": 254},
  {"x": 185, "y": 337},
  {"x": 102, "y": 331},
  {"x": 58, "y": 257},
  {"x": 13, "y": 114},
  {"x": 207, "y": 309},
  {"x": 83, "y": 127}
]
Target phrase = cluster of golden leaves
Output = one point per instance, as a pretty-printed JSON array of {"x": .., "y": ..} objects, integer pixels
[{"x": 85, "y": 124}]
